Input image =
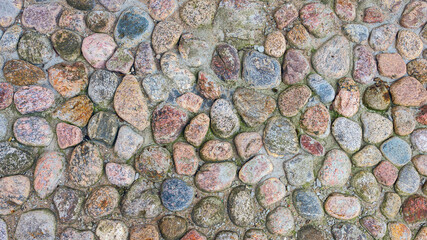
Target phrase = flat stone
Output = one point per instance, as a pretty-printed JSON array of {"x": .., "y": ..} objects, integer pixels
[
  {"x": 121, "y": 175},
  {"x": 408, "y": 92},
  {"x": 102, "y": 86},
  {"x": 100, "y": 21},
  {"x": 224, "y": 121},
  {"x": 280, "y": 137},
  {"x": 98, "y": 48},
  {"x": 403, "y": 120},
  {"x": 35, "y": 48},
  {"x": 6, "y": 95},
  {"x": 180, "y": 74},
  {"x": 215, "y": 177},
  {"x": 9, "y": 41},
  {"x": 376, "y": 128},
  {"x": 321, "y": 87},
  {"x": 196, "y": 130},
  {"x": 377, "y": 96},
  {"x": 121, "y": 61},
  {"x": 113, "y": 5},
  {"x": 103, "y": 127},
  {"x": 382, "y": 37},
  {"x": 185, "y": 158},
  {"x": 209, "y": 85},
  {"x": 145, "y": 62},
  {"x": 208, "y": 212},
  {"x": 280, "y": 221},
  {"x": 68, "y": 135},
  {"x": 76, "y": 110},
  {"x": 190, "y": 101},
  {"x": 68, "y": 79},
  {"x": 144, "y": 232},
  {"x": 33, "y": 99},
  {"x": 172, "y": 227},
  {"x": 420, "y": 163},
  {"x": 167, "y": 123},
  {"x": 409, "y": 44},
  {"x": 342, "y": 207},
  {"x": 32, "y": 131},
  {"x": 194, "y": 235},
  {"x": 154, "y": 163},
  {"x": 270, "y": 192},
  {"x": 414, "y": 15},
  {"x": 15, "y": 191},
  {"x": 127, "y": 143},
  {"x": 285, "y": 15},
  {"x": 241, "y": 206},
  {"x": 71, "y": 233},
  {"x": 255, "y": 169},
  {"x": 366, "y": 186},
  {"x": 308, "y": 204},
  {"x": 248, "y": 144},
  {"x": 299, "y": 37},
  {"x": 414, "y": 209},
  {"x": 408, "y": 181},
  {"x": 311, "y": 145},
  {"x": 346, "y": 9},
  {"x": 396, "y": 151},
  {"x": 102, "y": 201},
  {"x": 9, "y": 11},
  {"x": 332, "y": 59},
  {"x": 82, "y": 4},
  {"x": 161, "y": 9},
  {"x": 41, "y": 17},
  {"x": 376, "y": 227},
  {"x": 85, "y": 166},
  {"x": 318, "y": 18},
  {"x": 49, "y": 170},
  {"x": 196, "y": 13},
  {"x": 347, "y": 100},
  {"x": 19, "y": 72},
  {"x": 299, "y": 170},
  {"x": 112, "y": 230},
  {"x": 347, "y": 231},
  {"x": 391, "y": 65},
  {"x": 226, "y": 62},
  {"x": 260, "y": 71},
  {"x": 364, "y": 63},
  {"x": 316, "y": 120},
  {"x": 130, "y": 104},
  {"x": 37, "y": 224},
  {"x": 68, "y": 203},
  {"x": 255, "y": 234},
  {"x": 356, "y": 33},
  {"x": 368, "y": 156},
  {"x": 134, "y": 26},
  {"x": 417, "y": 68},
  {"x": 348, "y": 134},
  {"x": 295, "y": 67},
  {"x": 373, "y": 15},
  {"x": 275, "y": 44},
  {"x": 67, "y": 44},
  {"x": 397, "y": 230},
  {"x": 386, "y": 173},
  {"x": 141, "y": 202},
  {"x": 176, "y": 194},
  {"x": 254, "y": 107},
  {"x": 335, "y": 170},
  {"x": 216, "y": 151},
  {"x": 73, "y": 20},
  {"x": 165, "y": 36},
  {"x": 419, "y": 138}
]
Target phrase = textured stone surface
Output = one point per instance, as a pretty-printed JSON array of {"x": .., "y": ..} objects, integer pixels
[
  {"x": 332, "y": 59},
  {"x": 35, "y": 48},
  {"x": 308, "y": 204},
  {"x": 335, "y": 170},
  {"x": 76, "y": 110},
  {"x": 280, "y": 221},
  {"x": 270, "y": 192},
  {"x": 376, "y": 128},
  {"x": 342, "y": 207},
  {"x": 224, "y": 121},
  {"x": 167, "y": 123},
  {"x": 280, "y": 137},
  {"x": 16, "y": 190},
  {"x": 98, "y": 48},
  {"x": 215, "y": 177},
  {"x": 408, "y": 92},
  {"x": 49, "y": 170},
  {"x": 134, "y": 26},
  {"x": 68, "y": 203},
  {"x": 19, "y": 72},
  {"x": 68, "y": 79},
  {"x": 85, "y": 165},
  {"x": 36, "y": 224},
  {"x": 347, "y": 100},
  {"x": 318, "y": 18},
  {"x": 33, "y": 131},
  {"x": 295, "y": 67},
  {"x": 241, "y": 206},
  {"x": 348, "y": 134},
  {"x": 153, "y": 163},
  {"x": 260, "y": 71},
  {"x": 255, "y": 169}
]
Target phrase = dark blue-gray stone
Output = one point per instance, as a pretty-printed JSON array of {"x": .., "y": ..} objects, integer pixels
[
  {"x": 321, "y": 87},
  {"x": 133, "y": 26},
  {"x": 308, "y": 204},
  {"x": 396, "y": 151},
  {"x": 261, "y": 71},
  {"x": 176, "y": 195}
]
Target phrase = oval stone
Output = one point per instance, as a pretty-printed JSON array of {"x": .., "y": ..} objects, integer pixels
[
  {"x": 167, "y": 123},
  {"x": 216, "y": 151},
  {"x": 153, "y": 163},
  {"x": 176, "y": 194},
  {"x": 134, "y": 26},
  {"x": 85, "y": 166},
  {"x": 280, "y": 137},
  {"x": 33, "y": 99},
  {"x": 102, "y": 201},
  {"x": 215, "y": 177},
  {"x": 348, "y": 134},
  {"x": 408, "y": 181},
  {"x": 48, "y": 172},
  {"x": 33, "y": 131},
  {"x": 21, "y": 73},
  {"x": 35, "y": 48},
  {"x": 98, "y": 48},
  {"x": 270, "y": 192},
  {"x": 255, "y": 169},
  {"x": 224, "y": 121},
  {"x": 261, "y": 71},
  {"x": 336, "y": 169},
  {"x": 241, "y": 206},
  {"x": 208, "y": 212},
  {"x": 15, "y": 191},
  {"x": 342, "y": 207},
  {"x": 332, "y": 59},
  {"x": 366, "y": 186},
  {"x": 76, "y": 110},
  {"x": 226, "y": 62},
  {"x": 365, "y": 67},
  {"x": 308, "y": 204},
  {"x": 13, "y": 160},
  {"x": 396, "y": 151},
  {"x": 39, "y": 224},
  {"x": 197, "y": 129}
]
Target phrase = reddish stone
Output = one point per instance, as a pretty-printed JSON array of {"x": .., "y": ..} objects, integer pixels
[
  {"x": 208, "y": 87},
  {"x": 386, "y": 173},
  {"x": 422, "y": 234},
  {"x": 19, "y": 72},
  {"x": 342, "y": 207},
  {"x": 145, "y": 62},
  {"x": 42, "y": 17},
  {"x": 346, "y": 9},
  {"x": 49, "y": 170},
  {"x": 121, "y": 175},
  {"x": 167, "y": 123},
  {"x": 365, "y": 66},
  {"x": 293, "y": 99},
  {"x": 185, "y": 159},
  {"x": 215, "y": 177},
  {"x": 285, "y": 15},
  {"x": 336, "y": 169},
  {"x": 14, "y": 192},
  {"x": 414, "y": 209},
  {"x": 255, "y": 169},
  {"x": 408, "y": 92},
  {"x": 98, "y": 48},
  {"x": 196, "y": 130},
  {"x": 391, "y": 65},
  {"x": 102, "y": 201},
  {"x": 315, "y": 120},
  {"x": 347, "y": 100},
  {"x": 161, "y": 9},
  {"x": 190, "y": 101},
  {"x": 153, "y": 163},
  {"x": 422, "y": 115},
  {"x": 68, "y": 135},
  {"x": 73, "y": 20},
  {"x": 318, "y": 19},
  {"x": 33, "y": 99},
  {"x": 68, "y": 203},
  {"x": 376, "y": 227},
  {"x": 77, "y": 111},
  {"x": 6, "y": 95},
  {"x": 295, "y": 67},
  {"x": 193, "y": 235},
  {"x": 144, "y": 232},
  {"x": 33, "y": 131},
  {"x": 248, "y": 144},
  {"x": 270, "y": 191},
  {"x": 85, "y": 166},
  {"x": 420, "y": 163},
  {"x": 373, "y": 15},
  {"x": 216, "y": 150},
  {"x": 225, "y": 62},
  {"x": 311, "y": 145},
  {"x": 414, "y": 15}
]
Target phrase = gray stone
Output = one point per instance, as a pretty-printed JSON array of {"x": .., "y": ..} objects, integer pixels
[
  {"x": 347, "y": 231},
  {"x": 241, "y": 206},
  {"x": 102, "y": 86},
  {"x": 8, "y": 12},
  {"x": 261, "y": 71},
  {"x": 10, "y": 38},
  {"x": 308, "y": 204},
  {"x": 368, "y": 156},
  {"x": 366, "y": 186},
  {"x": 171, "y": 66},
  {"x": 224, "y": 121},
  {"x": 408, "y": 181},
  {"x": 403, "y": 120},
  {"x": 348, "y": 134},
  {"x": 376, "y": 128},
  {"x": 280, "y": 137},
  {"x": 71, "y": 234},
  {"x": 299, "y": 170},
  {"x": 356, "y": 32},
  {"x": 36, "y": 225},
  {"x": 140, "y": 201},
  {"x": 13, "y": 160},
  {"x": 134, "y": 26},
  {"x": 396, "y": 151},
  {"x": 112, "y": 230},
  {"x": 103, "y": 127},
  {"x": 35, "y": 48},
  {"x": 194, "y": 51},
  {"x": 3, "y": 230},
  {"x": 68, "y": 203},
  {"x": 332, "y": 59},
  {"x": 227, "y": 235},
  {"x": 208, "y": 212},
  {"x": 280, "y": 221},
  {"x": 390, "y": 205},
  {"x": 321, "y": 87},
  {"x": 156, "y": 87},
  {"x": 127, "y": 143},
  {"x": 419, "y": 139},
  {"x": 382, "y": 37},
  {"x": 172, "y": 227}
]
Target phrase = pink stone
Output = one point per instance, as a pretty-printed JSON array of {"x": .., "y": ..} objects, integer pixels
[
  {"x": 422, "y": 115},
  {"x": 14, "y": 192},
  {"x": 409, "y": 92},
  {"x": 49, "y": 170},
  {"x": 68, "y": 135},
  {"x": 215, "y": 177},
  {"x": 98, "y": 48},
  {"x": 190, "y": 101},
  {"x": 196, "y": 130},
  {"x": 185, "y": 159},
  {"x": 208, "y": 86},
  {"x": 415, "y": 14},
  {"x": 373, "y": 15},
  {"x": 73, "y": 20},
  {"x": 318, "y": 19},
  {"x": 6, "y": 95},
  {"x": 342, "y": 207},
  {"x": 167, "y": 123},
  {"x": 391, "y": 65},
  {"x": 285, "y": 15},
  {"x": 255, "y": 169},
  {"x": 161, "y": 9},
  {"x": 346, "y": 9},
  {"x": 68, "y": 79},
  {"x": 414, "y": 209},
  {"x": 386, "y": 173},
  {"x": 295, "y": 67},
  {"x": 33, "y": 99},
  {"x": 336, "y": 169},
  {"x": 365, "y": 66},
  {"x": 42, "y": 17},
  {"x": 270, "y": 191},
  {"x": 347, "y": 100},
  {"x": 216, "y": 150},
  {"x": 145, "y": 62},
  {"x": 33, "y": 131},
  {"x": 420, "y": 163},
  {"x": 121, "y": 175},
  {"x": 311, "y": 145},
  {"x": 193, "y": 235},
  {"x": 248, "y": 144}
]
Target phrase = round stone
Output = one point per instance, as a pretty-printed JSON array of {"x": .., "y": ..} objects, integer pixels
[
  {"x": 215, "y": 177},
  {"x": 299, "y": 170},
  {"x": 6, "y": 95},
  {"x": 254, "y": 107},
  {"x": 224, "y": 121},
  {"x": 190, "y": 101},
  {"x": 35, "y": 48},
  {"x": 82, "y": 4},
  {"x": 408, "y": 44},
  {"x": 144, "y": 232},
  {"x": 21, "y": 73},
  {"x": 260, "y": 71},
  {"x": 98, "y": 48},
  {"x": 196, "y": 130},
  {"x": 176, "y": 194},
  {"x": 100, "y": 21},
  {"x": 208, "y": 212},
  {"x": 68, "y": 135},
  {"x": 167, "y": 123},
  {"x": 161, "y": 9},
  {"x": 316, "y": 120},
  {"x": 293, "y": 99},
  {"x": 369, "y": 156},
  {"x": 275, "y": 44},
  {"x": 37, "y": 224},
  {"x": 227, "y": 235},
  {"x": 420, "y": 163},
  {"x": 165, "y": 36},
  {"x": 366, "y": 187},
  {"x": 241, "y": 206},
  {"x": 248, "y": 144},
  {"x": 172, "y": 227},
  {"x": 332, "y": 59},
  {"x": 348, "y": 134},
  {"x": 376, "y": 128},
  {"x": 42, "y": 17},
  {"x": 396, "y": 151},
  {"x": 414, "y": 15},
  {"x": 13, "y": 160},
  {"x": 153, "y": 163},
  {"x": 408, "y": 181},
  {"x": 185, "y": 158},
  {"x": 377, "y": 96},
  {"x": 102, "y": 201},
  {"x": 418, "y": 69},
  {"x": 134, "y": 26},
  {"x": 356, "y": 33},
  {"x": 49, "y": 170},
  {"x": 342, "y": 207},
  {"x": 67, "y": 44},
  {"x": 308, "y": 204},
  {"x": 419, "y": 139},
  {"x": 318, "y": 18},
  {"x": 382, "y": 37},
  {"x": 414, "y": 209},
  {"x": 141, "y": 201},
  {"x": 311, "y": 145},
  {"x": 346, "y": 10},
  {"x": 408, "y": 92},
  {"x": 15, "y": 191},
  {"x": 391, "y": 65},
  {"x": 255, "y": 234},
  {"x": 376, "y": 227},
  {"x": 197, "y": 13},
  {"x": 280, "y": 137},
  {"x": 226, "y": 62},
  {"x": 112, "y": 230},
  {"x": 121, "y": 175},
  {"x": 336, "y": 169},
  {"x": 310, "y": 232},
  {"x": 403, "y": 120},
  {"x": 397, "y": 230},
  {"x": 321, "y": 87},
  {"x": 156, "y": 86},
  {"x": 77, "y": 111},
  {"x": 68, "y": 79},
  {"x": 102, "y": 86},
  {"x": 270, "y": 192},
  {"x": 386, "y": 173},
  {"x": 347, "y": 100},
  {"x": 73, "y": 20},
  {"x": 390, "y": 205},
  {"x": 255, "y": 169},
  {"x": 216, "y": 151},
  {"x": 85, "y": 166},
  {"x": 68, "y": 203},
  {"x": 33, "y": 131},
  {"x": 280, "y": 221}
]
